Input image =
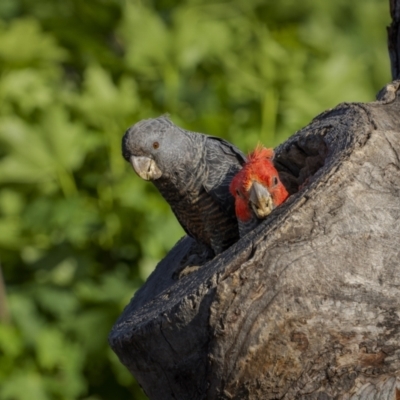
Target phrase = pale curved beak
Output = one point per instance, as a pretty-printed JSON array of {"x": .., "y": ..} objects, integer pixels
[
  {"x": 260, "y": 200},
  {"x": 145, "y": 167}
]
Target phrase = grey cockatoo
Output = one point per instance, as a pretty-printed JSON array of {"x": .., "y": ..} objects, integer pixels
[{"x": 192, "y": 171}]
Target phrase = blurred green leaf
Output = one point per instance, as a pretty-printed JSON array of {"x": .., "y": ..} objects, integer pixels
[
  {"x": 26, "y": 88},
  {"x": 17, "y": 51},
  {"x": 17, "y": 386},
  {"x": 146, "y": 38},
  {"x": 10, "y": 342}
]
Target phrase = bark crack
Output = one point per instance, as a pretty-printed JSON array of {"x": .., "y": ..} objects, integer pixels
[{"x": 393, "y": 149}]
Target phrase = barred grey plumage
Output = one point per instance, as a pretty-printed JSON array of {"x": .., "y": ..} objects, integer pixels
[{"x": 192, "y": 171}]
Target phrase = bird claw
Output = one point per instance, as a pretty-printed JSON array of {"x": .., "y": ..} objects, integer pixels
[
  {"x": 196, "y": 257},
  {"x": 186, "y": 271}
]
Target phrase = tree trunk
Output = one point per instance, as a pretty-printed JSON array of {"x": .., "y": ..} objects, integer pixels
[
  {"x": 394, "y": 38},
  {"x": 306, "y": 306}
]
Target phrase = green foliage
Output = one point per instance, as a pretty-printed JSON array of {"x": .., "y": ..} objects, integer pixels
[{"x": 79, "y": 232}]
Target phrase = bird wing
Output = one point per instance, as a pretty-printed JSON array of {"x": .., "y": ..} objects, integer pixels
[
  {"x": 228, "y": 148},
  {"x": 223, "y": 161}
]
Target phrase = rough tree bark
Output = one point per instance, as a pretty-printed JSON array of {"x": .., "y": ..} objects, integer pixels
[{"x": 307, "y": 306}]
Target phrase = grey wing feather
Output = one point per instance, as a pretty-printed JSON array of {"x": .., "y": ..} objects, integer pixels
[
  {"x": 223, "y": 161},
  {"x": 228, "y": 148}
]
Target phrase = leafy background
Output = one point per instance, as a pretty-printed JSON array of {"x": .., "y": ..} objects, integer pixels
[{"x": 79, "y": 232}]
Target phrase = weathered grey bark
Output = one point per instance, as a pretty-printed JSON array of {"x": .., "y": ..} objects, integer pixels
[{"x": 307, "y": 306}]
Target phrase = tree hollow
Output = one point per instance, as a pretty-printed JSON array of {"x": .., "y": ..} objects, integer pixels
[{"x": 306, "y": 306}]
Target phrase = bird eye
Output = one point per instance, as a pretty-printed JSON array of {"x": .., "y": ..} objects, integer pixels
[
  {"x": 238, "y": 192},
  {"x": 275, "y": 181},
  {"x": 156, "y": 145}
]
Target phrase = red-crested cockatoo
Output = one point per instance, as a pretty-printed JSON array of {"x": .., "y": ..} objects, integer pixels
[{"x": 257, "y": 189}]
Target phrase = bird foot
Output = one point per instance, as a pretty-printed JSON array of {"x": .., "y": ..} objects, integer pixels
[
  {"x": 186, "y": 271},
  {"x": 197, "y": 256}
]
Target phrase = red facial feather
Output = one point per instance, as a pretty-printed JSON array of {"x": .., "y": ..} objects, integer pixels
[
  {"x": 260, "y": 168},
  {"x": 241, "y": 196}
]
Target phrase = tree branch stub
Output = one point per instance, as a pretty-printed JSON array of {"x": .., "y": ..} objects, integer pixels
[{"x": 394, "y": 38}]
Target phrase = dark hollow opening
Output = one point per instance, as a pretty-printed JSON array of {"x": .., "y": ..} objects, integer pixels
[{"x": 298, "y": 161}]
